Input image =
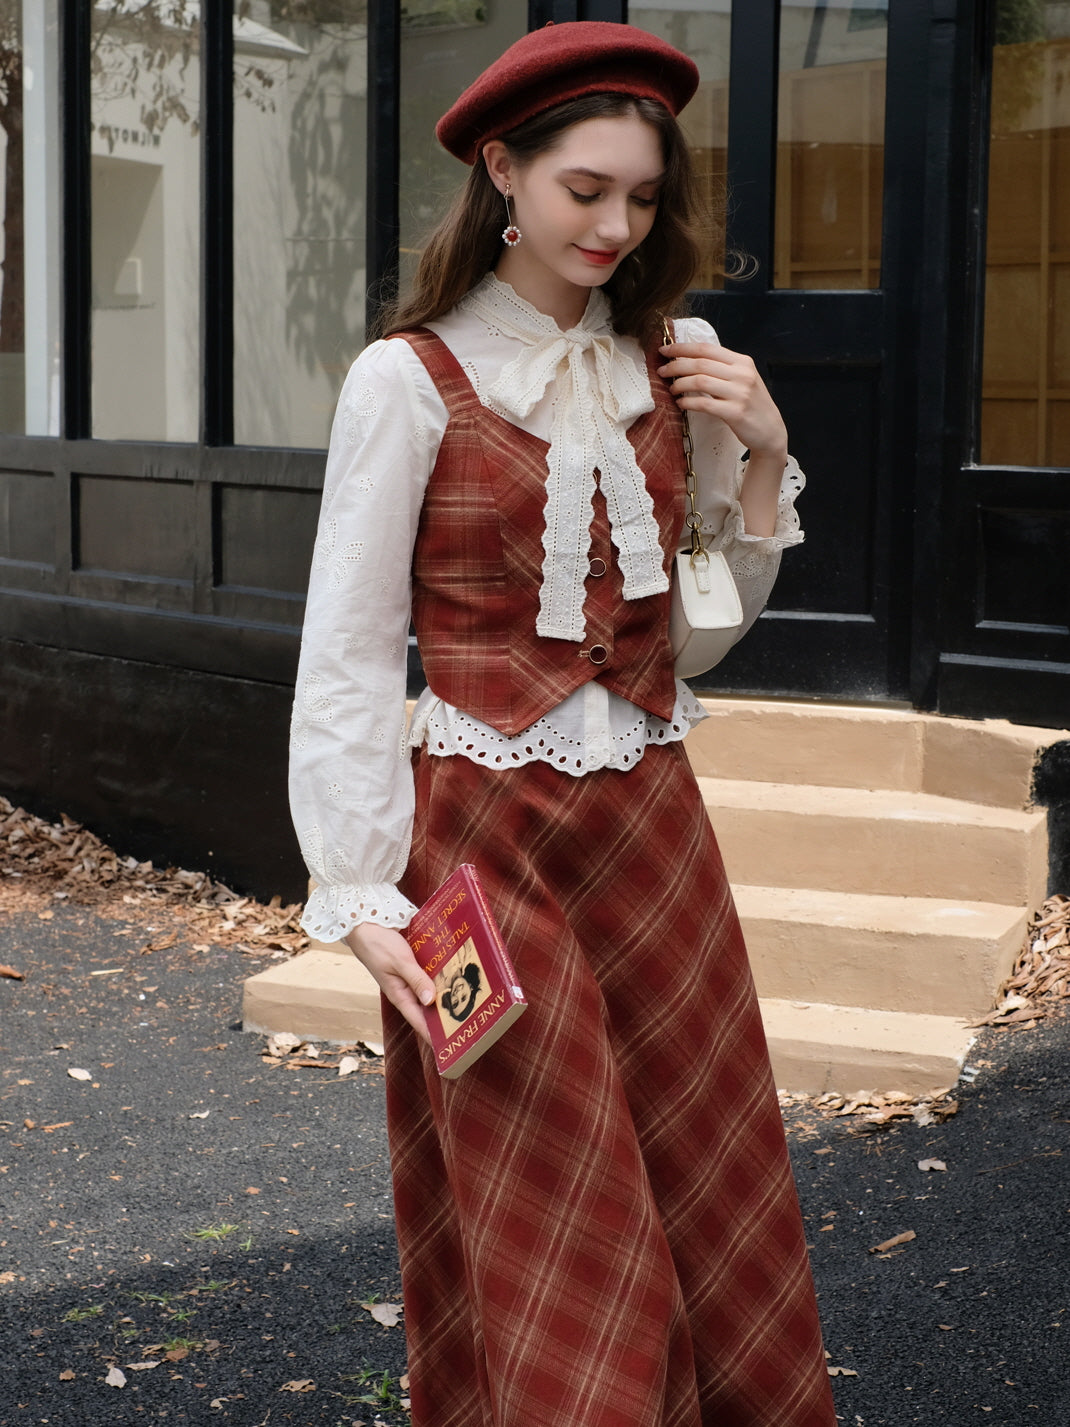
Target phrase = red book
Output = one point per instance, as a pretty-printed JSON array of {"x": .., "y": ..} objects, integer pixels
[{"x": 477, "y": 996}]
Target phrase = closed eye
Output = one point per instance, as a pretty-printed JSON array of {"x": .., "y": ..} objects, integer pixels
[{"x": 584, "y": 197}]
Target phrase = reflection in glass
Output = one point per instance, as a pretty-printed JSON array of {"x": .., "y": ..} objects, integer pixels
[
  {"x": 830, "y": 154},
  {"x": 300, "y": 107},
  {"x": 445, "y": 44},
  {"x": 145, "y": 82},
  {"x": 704, "y": 34},
  {"x": 29, "y": 205},
  {"x": 1025, "y": 413}
]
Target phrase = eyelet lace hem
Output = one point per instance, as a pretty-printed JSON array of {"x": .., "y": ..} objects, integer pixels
[
  {"x": 447, "y": 731},
  {"x": 332, "y": 912}
]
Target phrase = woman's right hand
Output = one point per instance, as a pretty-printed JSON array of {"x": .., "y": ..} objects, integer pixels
[{"x": 389, "y": 958}]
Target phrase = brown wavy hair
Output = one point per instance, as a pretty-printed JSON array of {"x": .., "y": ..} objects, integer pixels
[{"x": 651, "y": 281}]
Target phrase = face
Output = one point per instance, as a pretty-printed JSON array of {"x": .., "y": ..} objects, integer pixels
[
  {"x": 582, "y": 207},
  {"x": 461, "y": 996}
]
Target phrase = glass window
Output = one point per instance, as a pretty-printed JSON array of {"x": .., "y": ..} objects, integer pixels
[
  {"x": 300, "y": 128},
  {"x": 146, "y": 205},
  {"x": 830, "y": 143},
  {"x": 445, "y": 44},
  {"x": 29, "y": 232},
  {"x": 704, "y": 34},
  {"x": 1025, "y": 411}
]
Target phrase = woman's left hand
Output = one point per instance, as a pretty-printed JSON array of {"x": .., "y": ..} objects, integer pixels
[{"x": 706, "y": 377}]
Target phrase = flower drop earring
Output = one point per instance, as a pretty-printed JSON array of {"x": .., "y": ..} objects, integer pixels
[{"x": 511, "y": 234}]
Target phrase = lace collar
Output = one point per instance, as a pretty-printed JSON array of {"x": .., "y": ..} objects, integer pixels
[{"x": 600, "y": 388}]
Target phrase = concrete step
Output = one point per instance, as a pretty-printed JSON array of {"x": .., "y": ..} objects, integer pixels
[
  {"x": 877, "y": 841},
  {"x": 908, "y": 954},
  {"x": 322, "y": 994},
  {"x": 837, "y": 745},
  {"x": 817, "y": 1047},
  {"x": 328, "y": 996}
]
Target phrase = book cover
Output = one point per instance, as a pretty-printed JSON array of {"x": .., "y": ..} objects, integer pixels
[{"x": 477, "y": 995}]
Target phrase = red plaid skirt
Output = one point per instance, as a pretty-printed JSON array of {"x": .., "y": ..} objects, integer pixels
[{"x": 597, "y": 1221}]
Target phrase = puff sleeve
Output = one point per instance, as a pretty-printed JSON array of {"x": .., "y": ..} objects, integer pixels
[{"x": 351, "y": 792}]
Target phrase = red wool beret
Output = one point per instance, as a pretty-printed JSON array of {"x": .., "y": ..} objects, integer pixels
[{"x": 561, "y": 62}]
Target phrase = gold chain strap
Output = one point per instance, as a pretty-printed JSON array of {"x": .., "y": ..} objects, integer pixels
[{"x": 700, "y": 557}]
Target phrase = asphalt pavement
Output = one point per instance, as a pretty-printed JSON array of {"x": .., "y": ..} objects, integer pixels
[{"x": 186, "y": 1204}]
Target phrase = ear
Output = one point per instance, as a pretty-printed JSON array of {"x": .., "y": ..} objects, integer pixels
[{"x": 499, "y": 165}]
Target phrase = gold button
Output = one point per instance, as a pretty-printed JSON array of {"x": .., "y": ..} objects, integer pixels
[
  {"x": 598, "y": 566},
  {"x": 598, "y": 654}
]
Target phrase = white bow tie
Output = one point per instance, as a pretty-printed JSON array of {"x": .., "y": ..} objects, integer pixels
[{"x": 601, "y": 392}]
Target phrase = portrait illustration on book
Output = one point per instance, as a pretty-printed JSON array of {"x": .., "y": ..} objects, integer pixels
[{"x": 461, "y": 986}]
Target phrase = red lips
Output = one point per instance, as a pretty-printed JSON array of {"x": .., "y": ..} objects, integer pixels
[{"x": 603, "y": 259}]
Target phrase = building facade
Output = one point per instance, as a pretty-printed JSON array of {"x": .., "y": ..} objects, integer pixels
[{"x": 203, "y": 203}]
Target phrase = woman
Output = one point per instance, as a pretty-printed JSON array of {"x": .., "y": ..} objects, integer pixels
[{"x": 596, "y": 1222}]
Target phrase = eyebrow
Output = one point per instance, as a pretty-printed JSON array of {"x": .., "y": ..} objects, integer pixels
[{"x": 609, "y": 177}]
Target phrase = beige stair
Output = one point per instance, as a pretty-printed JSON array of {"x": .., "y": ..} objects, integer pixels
[
  {"x": 325, "y": 994},
  {"x": 904, "y": 954},
  {"x": 818, "y": 1047},
  {"x": 877, "y": 840},
  {"x": 884, "y": 864}
]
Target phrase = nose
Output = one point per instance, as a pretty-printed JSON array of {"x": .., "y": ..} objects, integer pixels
[{"x": 613, "y": 226}]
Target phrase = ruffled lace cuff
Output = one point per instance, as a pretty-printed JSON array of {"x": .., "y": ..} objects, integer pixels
[
  {"x": 787, "y": 530},
  {"x": 332, "y": 912}
]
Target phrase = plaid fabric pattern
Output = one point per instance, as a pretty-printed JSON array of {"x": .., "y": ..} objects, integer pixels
[
  {"x": 597, "y": 1221},
  {"x": 477, "y": 565}
]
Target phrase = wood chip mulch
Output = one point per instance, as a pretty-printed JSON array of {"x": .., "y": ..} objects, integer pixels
[{"x": 42, "y": 862}]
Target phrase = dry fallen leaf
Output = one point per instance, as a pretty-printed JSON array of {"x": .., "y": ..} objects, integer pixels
[
  {"x": 176, "y": 1355},
  {"x": 143, "y": 1367},
  {"x": 43, "y": 854},
  {"x": 198, "y": 1114},
  {"x": 842, "y": 1372},
  {"x": 299, "y": 1384},
  {"x": 926, "y": 1164},
  {"x": 388, "y": 1314},
  {"x": 374, "y": 1048},
  {"x": 76, "y": 1073},
  {"x": 66, "y": 1375},
  {"x": 7, "y": 1276},
  {"x": 116, "y": 1377},
  {"x": 903, "y": 1238},
  {"x": 348, "y": 1064},
  {"x": 11, "y": 973},
  {"x": 283, "y": 1042}
]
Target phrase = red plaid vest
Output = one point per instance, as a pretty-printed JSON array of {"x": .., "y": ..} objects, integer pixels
[{"x": 477, "y": 565}]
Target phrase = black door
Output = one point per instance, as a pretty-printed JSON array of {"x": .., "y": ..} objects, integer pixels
[{"x": 830, "y": 127}]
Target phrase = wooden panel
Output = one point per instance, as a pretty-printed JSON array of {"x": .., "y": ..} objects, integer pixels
[
  {"x": 1024, "y": 561},
  {"x": 832, "y": 571},
  {"x": 264, "y": 538},
  {"x": 830, "y": 164},
  {"x": 134, "y": 527},
  {"x": 1012, "y": 322},
  {"x": 1027, "y": 282},
  {"x": 27, "y": 519}
]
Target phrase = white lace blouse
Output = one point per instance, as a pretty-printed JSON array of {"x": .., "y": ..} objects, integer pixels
[{"x": 351, "y": 788}]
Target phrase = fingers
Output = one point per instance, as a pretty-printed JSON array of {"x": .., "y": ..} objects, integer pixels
[
  {"x": 705, "y": 377},
  {"x": 389, "y": 958}
]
